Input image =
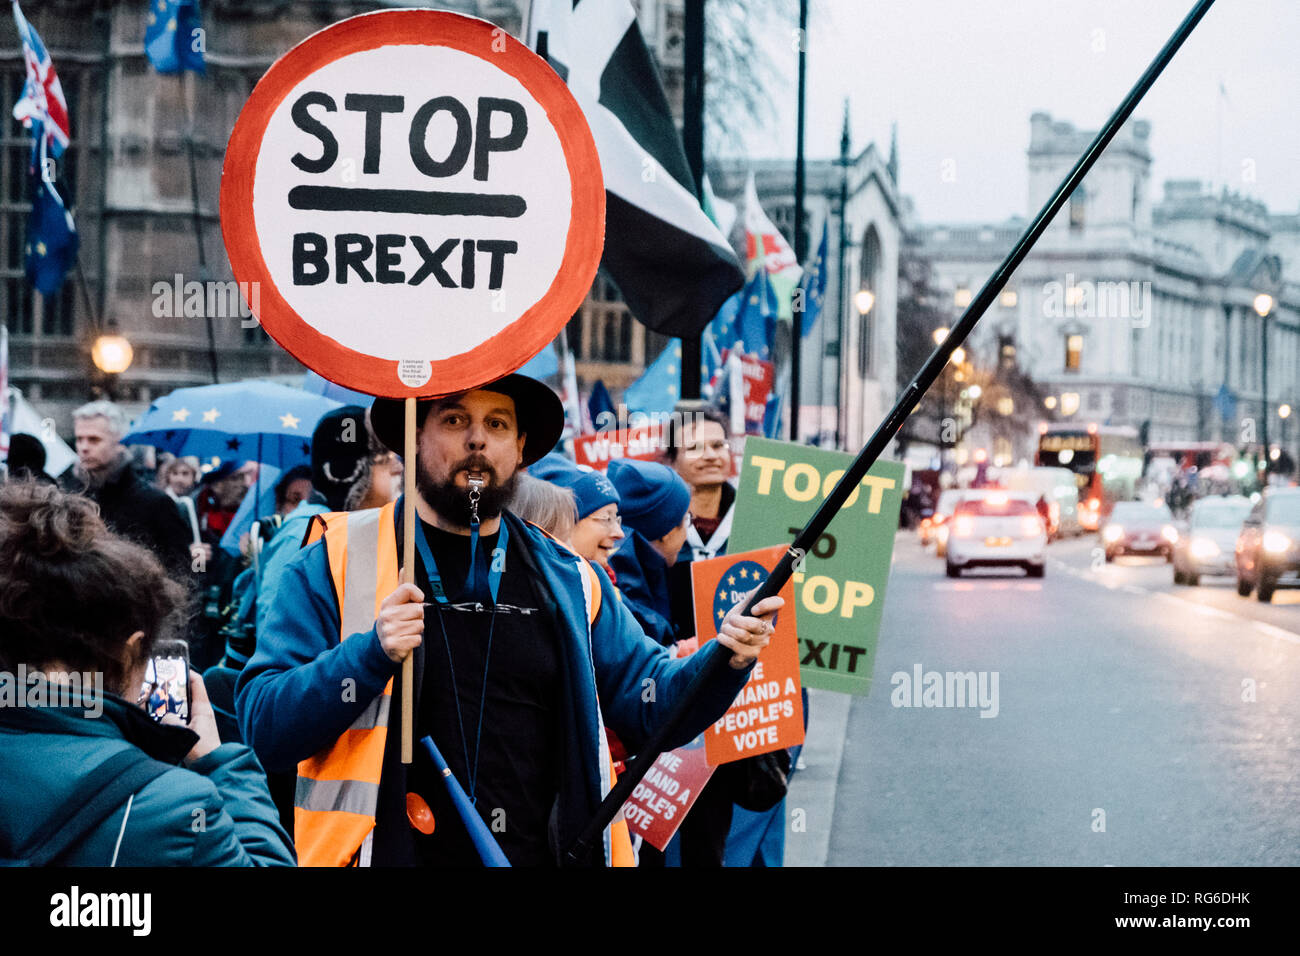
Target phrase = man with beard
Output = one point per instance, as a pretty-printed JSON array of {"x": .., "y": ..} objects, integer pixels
[{"x": 529, "y": 654}]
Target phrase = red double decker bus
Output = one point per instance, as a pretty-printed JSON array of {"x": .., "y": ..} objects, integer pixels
[{"x": 1106, "y": 461}]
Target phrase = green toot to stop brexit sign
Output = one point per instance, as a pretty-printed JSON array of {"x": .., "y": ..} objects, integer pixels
[{"x": 841, "y": 590}]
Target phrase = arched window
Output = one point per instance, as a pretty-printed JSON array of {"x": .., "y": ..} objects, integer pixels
[{"x": 868, "y": 281}]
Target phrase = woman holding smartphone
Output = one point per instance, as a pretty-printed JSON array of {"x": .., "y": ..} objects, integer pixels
[{"x": 87, "y": 778}]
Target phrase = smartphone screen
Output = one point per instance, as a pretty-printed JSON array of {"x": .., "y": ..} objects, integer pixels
[{"x": 166, "y": 683}]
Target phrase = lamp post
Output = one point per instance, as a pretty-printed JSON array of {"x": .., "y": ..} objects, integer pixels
[
  {"x": 112, "y": 355},
  {"x": 1284, "y": 413},
  {"x": 1263, "y": 306}
]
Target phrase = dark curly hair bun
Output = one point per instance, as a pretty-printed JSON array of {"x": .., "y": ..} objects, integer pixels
[{"x": 71, "y": 591}]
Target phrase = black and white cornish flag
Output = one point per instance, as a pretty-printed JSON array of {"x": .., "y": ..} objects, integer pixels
[{"x": 673, "y": 266}]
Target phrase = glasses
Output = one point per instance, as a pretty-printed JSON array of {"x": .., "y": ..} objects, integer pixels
[{"x": 614, "y": 522}]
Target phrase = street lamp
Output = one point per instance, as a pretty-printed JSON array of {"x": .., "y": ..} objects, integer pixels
[
  {"x": 1284, "y": 413},
  {"x": 864, "y": 300},
  {"x": 940, "y": 334},
  {"x": 112, "y": 355},
  {"x": 1263, "y": 306},
  {"x": 1049, "y": 402},
  {"x": 975, "y": 392}
]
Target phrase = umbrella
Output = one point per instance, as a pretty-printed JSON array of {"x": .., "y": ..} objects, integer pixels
[
  {"x": 254, "y": 421},
  {"x": 318, "y": 385}
]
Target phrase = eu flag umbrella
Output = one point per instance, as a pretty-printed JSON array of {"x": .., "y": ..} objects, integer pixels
[{"x": 254, "y": 421}]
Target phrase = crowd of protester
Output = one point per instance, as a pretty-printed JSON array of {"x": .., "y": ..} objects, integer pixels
[{"x": 96, "y": 572}]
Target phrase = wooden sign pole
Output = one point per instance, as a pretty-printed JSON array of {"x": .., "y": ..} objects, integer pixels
[{"x": 408, "y": 576}]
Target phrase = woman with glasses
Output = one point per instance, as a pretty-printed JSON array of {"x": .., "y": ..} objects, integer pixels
[{"x": 599, "y": 528}]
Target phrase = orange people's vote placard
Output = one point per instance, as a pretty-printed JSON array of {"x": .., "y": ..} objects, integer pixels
[{"x": 767, "y": 715}]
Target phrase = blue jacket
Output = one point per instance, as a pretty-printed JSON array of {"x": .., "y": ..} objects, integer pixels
[
  {"x": 643, "y": 580},
  {"x": 216, "y": 812},
  {"x": 290, "y": 707},
  {"x": 279, "y": 551}
]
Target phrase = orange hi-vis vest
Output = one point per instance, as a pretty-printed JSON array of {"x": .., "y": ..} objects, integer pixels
[{"x": 337, "y": 792}]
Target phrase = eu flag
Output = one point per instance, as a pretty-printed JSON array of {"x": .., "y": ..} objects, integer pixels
[
  {"x": 748, "y": 319},
  {"x": 657, "y": 388},
  {"x": 813, "y": 286},
  {"x": 51, "y": 248},
  {"x": 173, "y": 36}
]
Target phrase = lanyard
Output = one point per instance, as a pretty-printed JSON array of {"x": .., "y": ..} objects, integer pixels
[
  {"x": 440, "y": 596},
  {"x": 494, "y": 570}
]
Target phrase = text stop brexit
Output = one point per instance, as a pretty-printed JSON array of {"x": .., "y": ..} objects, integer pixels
[{"x": 450, "y": 259}]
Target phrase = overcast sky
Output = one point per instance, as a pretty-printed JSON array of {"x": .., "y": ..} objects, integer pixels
[{"x": 961, "y": 78}]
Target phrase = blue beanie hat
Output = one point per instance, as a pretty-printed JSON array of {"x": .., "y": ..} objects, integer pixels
[
  {"x": 591, "y": 489},
  {"x": 654, "y": 498}
]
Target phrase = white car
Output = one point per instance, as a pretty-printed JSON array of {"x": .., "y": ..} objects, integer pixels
[{"x": 996, "y": 528}]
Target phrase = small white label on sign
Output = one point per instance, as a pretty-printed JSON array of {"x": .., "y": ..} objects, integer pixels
[{"x": 414, "y": 372}]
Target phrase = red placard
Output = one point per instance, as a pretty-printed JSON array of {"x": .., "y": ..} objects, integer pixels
[
  {"x": 758, "y": 376},
  {"x": 666, "y": 794},
  {"x": 598, "y": 449},
  {"x": 417, "y": 200},
  {"x": 767, "y": 715}
]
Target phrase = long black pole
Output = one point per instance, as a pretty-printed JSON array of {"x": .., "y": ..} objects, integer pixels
[
  {"x": 693, "y": 144},
  {"x": 800, "y": 240},
  {"x": 197, "y": 216},
  {"x": 887, "y": 429},
  {"x": 841, "y": 295},
  {"x": 1263, "y": 390}
]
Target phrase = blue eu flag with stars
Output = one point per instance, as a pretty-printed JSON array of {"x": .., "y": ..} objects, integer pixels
[
  {"x": 173, "y": 36},
  {"x": 51, "y": 248},
  {"x": 814, "y": 286}
]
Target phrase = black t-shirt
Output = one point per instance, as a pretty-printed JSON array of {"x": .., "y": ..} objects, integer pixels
[{"x": 519, "y": 751}]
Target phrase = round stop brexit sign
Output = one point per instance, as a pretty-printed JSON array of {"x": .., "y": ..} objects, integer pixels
[{"x": 419, "y": 200}]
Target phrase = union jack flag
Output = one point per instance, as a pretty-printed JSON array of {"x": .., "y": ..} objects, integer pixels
[{"x": 41, "y": 105}]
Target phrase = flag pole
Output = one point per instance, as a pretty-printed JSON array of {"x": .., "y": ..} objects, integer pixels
[
  {"x": 693, "y": 143},
  {"x": 841, "y": 424},
  {"x": 800, "y": 240},
  {"x": 612, "y": 805},
  {"x": 188, "y": 93}
]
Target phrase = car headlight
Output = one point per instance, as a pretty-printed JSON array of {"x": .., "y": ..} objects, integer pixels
[
  {"x": 1112, "y": 532},
  {"x": 1204, "y": 548},
  {"x": 1275, "y": 542},
  {"x": 1169, "y": 533}
]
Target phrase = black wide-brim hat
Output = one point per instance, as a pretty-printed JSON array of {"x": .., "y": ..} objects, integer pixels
[{"x": 538, "y": 410}]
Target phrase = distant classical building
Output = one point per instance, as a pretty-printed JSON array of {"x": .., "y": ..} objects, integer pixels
[{"x": 1131, "y": 312}]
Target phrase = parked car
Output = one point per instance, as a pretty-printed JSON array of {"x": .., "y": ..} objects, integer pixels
[
  {"x": 1207, "y": 544},
  {"x": 1137, "y": 527},
  {"x": 1268, "y": 548},
  {"x": 996, "y": 528}
]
